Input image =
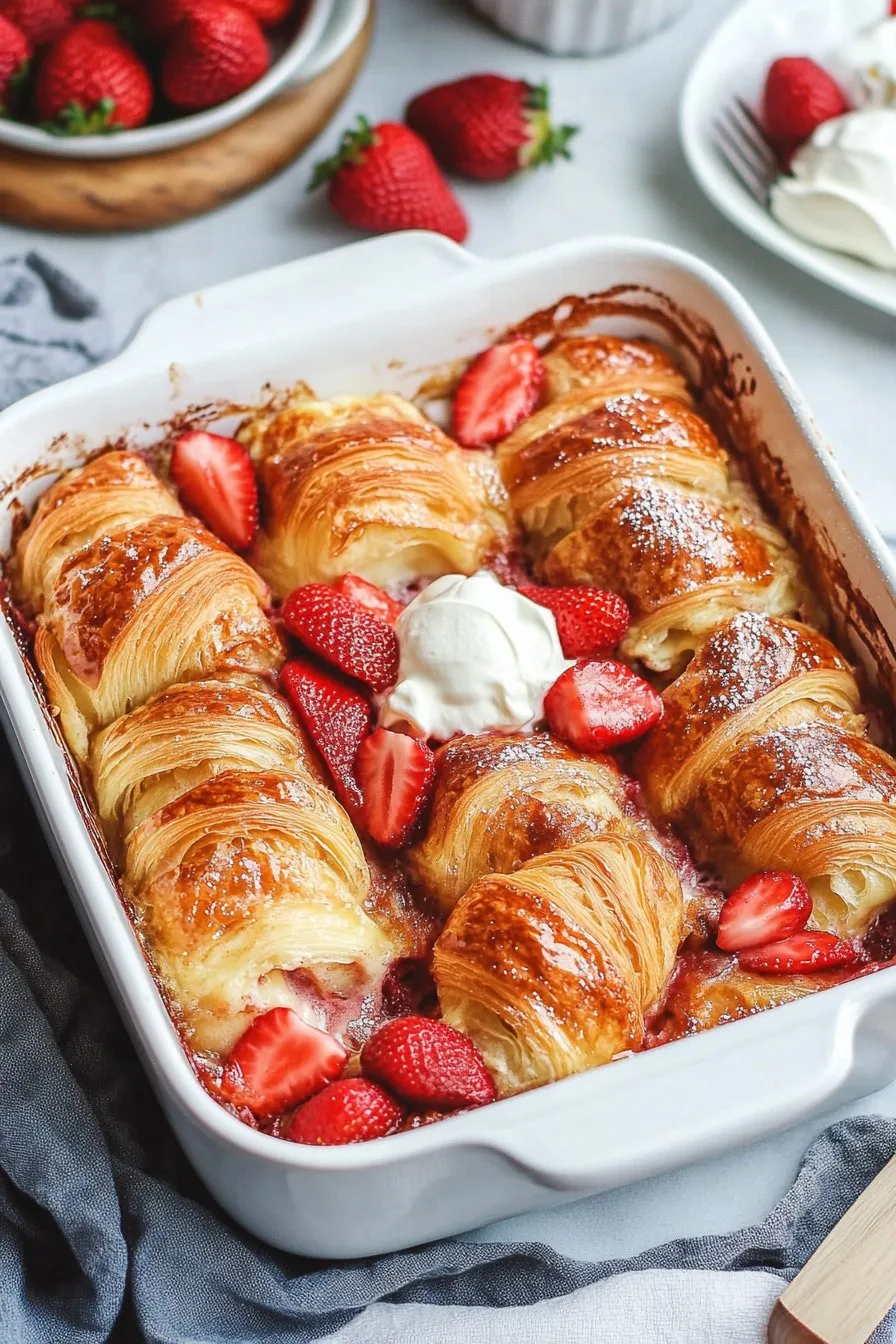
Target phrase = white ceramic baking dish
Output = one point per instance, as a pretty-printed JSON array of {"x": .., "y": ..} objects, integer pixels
[{"x": 360, "y": 319}]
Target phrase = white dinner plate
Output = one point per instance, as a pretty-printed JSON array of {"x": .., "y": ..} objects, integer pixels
[{"x": 734, "y": 64}]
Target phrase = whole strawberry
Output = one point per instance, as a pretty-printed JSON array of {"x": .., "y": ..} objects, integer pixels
[
  {"x": 489, "y": 127},
  {"x": 42, "y": 21},
  {"x": 268, "y": 12},
  {"x": 352, "y": 1110},
  {"x": 799, "y": 96},
  {"x": 384, "y": 178},
  {"x": 159, "y": 19},
  {"x": 15, "y": 55},
  {"x": 90, "y": 81},
  {"x": 216, "y": 52},
  {"x": 427, "y": 1064}
]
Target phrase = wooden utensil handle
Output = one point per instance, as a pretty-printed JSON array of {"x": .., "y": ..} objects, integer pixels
[{"x": 849, "y": 1284}]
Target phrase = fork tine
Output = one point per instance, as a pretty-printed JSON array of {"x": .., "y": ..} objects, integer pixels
[
  {"x": 751, "y": 117},
  {"x": 744, "y": 168},
  {"x": 755, "y": 132}
]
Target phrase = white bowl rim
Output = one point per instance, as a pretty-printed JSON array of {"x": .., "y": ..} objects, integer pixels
[{"x": 182, "y": 130}]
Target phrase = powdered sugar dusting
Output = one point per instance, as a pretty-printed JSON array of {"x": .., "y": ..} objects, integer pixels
[{"x": 751, "y": 655}]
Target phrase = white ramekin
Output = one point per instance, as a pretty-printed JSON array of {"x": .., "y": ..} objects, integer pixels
[{"x": 580, "y": 27}]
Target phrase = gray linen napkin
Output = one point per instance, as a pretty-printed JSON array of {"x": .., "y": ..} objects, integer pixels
[
  {"x": 104, "y": 1230},
  {"x": 50, "y": 328}
]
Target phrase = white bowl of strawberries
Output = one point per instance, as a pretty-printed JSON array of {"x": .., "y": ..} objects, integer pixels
[{"x": 152, "y": 76}]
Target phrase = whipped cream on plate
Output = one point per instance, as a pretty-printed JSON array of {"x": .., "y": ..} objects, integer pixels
[
  {"x": 867, "y": 66},
  {"x": 841, "y": 193},
  {"x": 474, "y": 655}
]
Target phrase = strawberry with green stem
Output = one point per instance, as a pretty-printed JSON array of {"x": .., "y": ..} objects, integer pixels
[
  {"x": 384, "y": 178},
  {"x": 215, "y": 53},
  {"x": 41, "y": 21},
  {"x": 489, "y": 127},
  {"x": 15, "y": 62},
  {"x": 92, "y": 81}
]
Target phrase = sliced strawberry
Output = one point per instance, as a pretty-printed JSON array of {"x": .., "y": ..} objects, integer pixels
[
  {"x": 589, "y": 620},
  {"x": 371, "y": 598},
  {"x": 801, "y": 952},
  {"x": 344, "y": 634},
  {"x": 764, "y": 909},
  {"x": 216, "y": 480},
  {"x": 499, "y": 389},
  {"x": 395, "y": 773},
  {"x": 350, "y": 1111},
  {"x": 280, "y": 1060},
  {"x": 599, "y": 705},
  {"x": 428, "y": 1064},
  {"x": 337, "y": 717}
]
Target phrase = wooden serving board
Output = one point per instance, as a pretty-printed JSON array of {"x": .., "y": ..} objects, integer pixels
[{"x": 114, "y": 195}]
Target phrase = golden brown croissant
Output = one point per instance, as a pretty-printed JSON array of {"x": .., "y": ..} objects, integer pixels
[
  {"x": 187, "y": 734},
  {"x": 552, "y": 969},
  {"x": 136, "y": 610},
  {"x": 613, "y": 363},
  {"x": 500, "y": 799},
  {"x": 619, "y": 484},
  {"x": 110, "y": 492},
  {"x": 248, "y": 883},
  {"x": 243, "y": 880},
  {"x": 813, "y": 800},
  {"x": 554, "y": 477},
  {"x": 370, "y": 486},
  {"x": 761, "y": 760}
]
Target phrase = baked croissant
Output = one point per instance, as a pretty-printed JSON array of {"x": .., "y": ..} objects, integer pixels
[
  {"x": 370, "y": 486},
  {"x": 761, "y": 760},
  {"x": 500, "y": 799},
  {"x": 619, "y": 484},
  {"x": 115, "y": 490},
  {"x": 552, "y": 969},
  {"x": 614, "y": 364},
  {"x": 813, "y": 800},
  {"x": 241, "y": 882},
  {"x": 247, "y": 881},
  {"x": 138, "y": 609},
  {"x": 185, "y": 735}
]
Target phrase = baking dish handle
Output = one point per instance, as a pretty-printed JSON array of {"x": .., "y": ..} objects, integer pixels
[
  {"x": 765, "y": 1081},
  {"x": 345, "y": 282}
]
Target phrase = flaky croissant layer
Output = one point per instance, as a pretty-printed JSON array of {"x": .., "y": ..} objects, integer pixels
[
  {"x": 551, "y": 969},
  {"x": 370, "y": 486},
  {"x": 619, "y": 484},
  {"x": 248, "y": 882}
]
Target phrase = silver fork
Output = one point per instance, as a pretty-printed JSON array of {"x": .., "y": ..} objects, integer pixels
[{"x": 743, "y": 144}]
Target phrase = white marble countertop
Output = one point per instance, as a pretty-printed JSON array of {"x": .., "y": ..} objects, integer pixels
[{"x": 628, "y": 176}]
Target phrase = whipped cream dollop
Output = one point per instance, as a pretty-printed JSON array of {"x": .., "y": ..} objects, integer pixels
[
  {"x": 474, "y": 655},
  {"x": 842, "y": 190},
  {"x": 866, "y": 65}
]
